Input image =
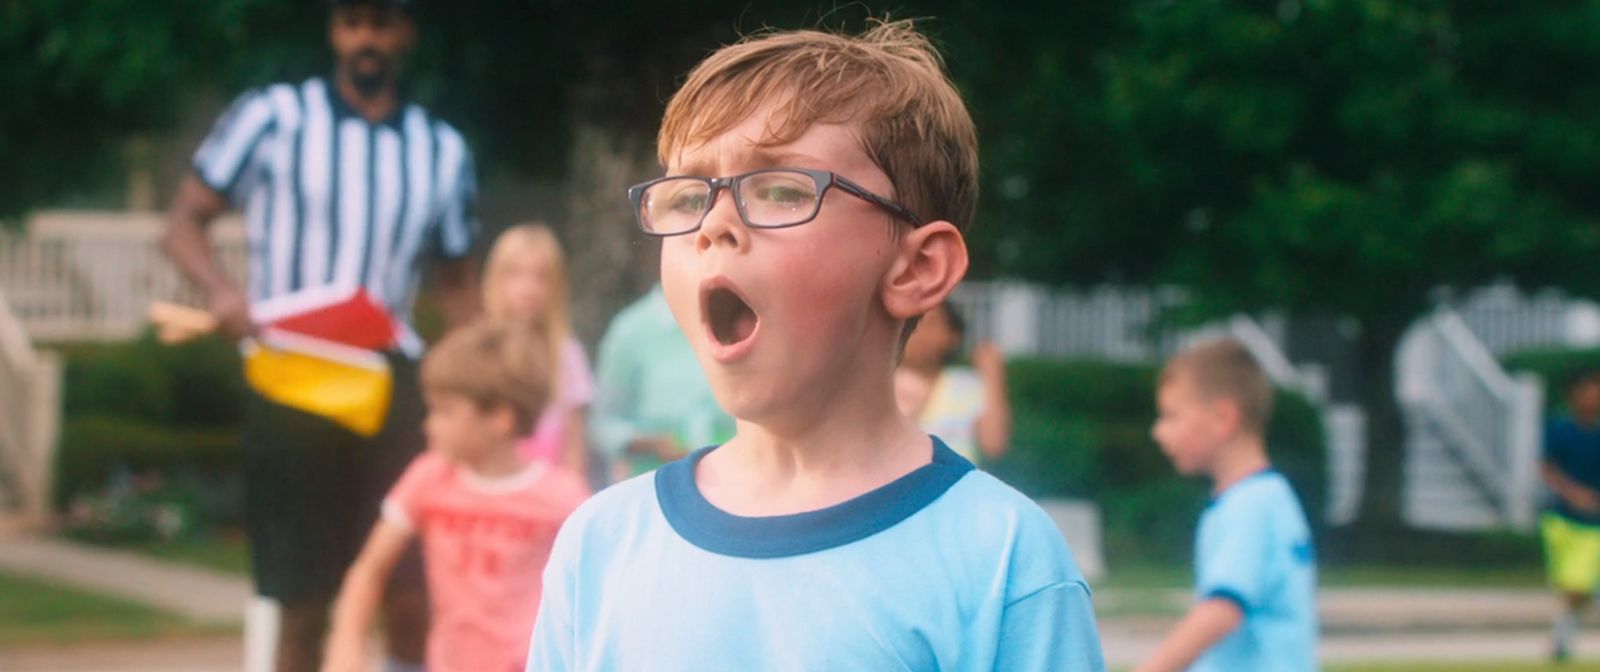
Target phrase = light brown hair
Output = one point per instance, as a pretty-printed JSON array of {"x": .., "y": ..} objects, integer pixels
[
  {"x": 493, "y": 364},
  {"x": 555, "y": 324},
  {"x": 1225, "y": 369},
  {"x": 889, "y": 81}
]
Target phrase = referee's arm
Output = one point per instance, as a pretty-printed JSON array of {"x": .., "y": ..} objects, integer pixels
[{"x": 185, "y": 241}]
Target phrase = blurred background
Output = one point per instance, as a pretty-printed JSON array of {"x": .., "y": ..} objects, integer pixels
[{"x": 1389, "y": 201}]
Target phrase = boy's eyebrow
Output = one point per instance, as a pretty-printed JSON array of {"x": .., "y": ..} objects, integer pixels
[
  {"x": 767, "y": 158},
  {"x": 753, "y": 159}
]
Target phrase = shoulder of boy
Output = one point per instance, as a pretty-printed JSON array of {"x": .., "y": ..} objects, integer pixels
[
  {"x": 615, "y": 510},
  {"x": 1040, "y": 554}
]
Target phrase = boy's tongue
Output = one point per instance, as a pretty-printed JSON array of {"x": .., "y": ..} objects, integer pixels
[
  {"x": 732, "y": 320},
  {"x": 744, "y": 324}
]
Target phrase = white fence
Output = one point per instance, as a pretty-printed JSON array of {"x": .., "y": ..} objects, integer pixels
[
  {"x": 1506, "y": 320},
  {"x": 1115, "y": 323},
  {"x": 76, "y": 276}
]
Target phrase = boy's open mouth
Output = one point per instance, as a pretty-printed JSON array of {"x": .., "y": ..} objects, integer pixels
[{"x": 731, "y": 319}]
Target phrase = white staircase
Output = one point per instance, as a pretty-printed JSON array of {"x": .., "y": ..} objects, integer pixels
[
  {"x": 30, "y": 416},
  {"x": 1472, "y": 430}
]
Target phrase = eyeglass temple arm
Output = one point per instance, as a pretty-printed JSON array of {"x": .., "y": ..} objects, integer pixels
[{"x": 885, "y": 203}]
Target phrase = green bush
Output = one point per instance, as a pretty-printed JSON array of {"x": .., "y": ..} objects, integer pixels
[
  {"x": 140, "y": 408},
  {"x": 1083, "y": 431},
  {"x": 1553, "y": 367},
  {"x": 94, "y": 448},
  {"x": 115, "y": 380},
  {"x": 199, "y": 383}
]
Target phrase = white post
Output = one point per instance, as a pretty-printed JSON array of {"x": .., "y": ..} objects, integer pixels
[
  {"x": 1017, "y": 319},
  {"x": 1525, "y": 435},
  {"x": 261, "y": 635},
  {"x": 1345, "y": 429},
  {"x": 1581, "y": 325},
  {"x": 43, "y": 427}
]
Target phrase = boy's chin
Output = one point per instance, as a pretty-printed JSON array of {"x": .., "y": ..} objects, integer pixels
[{"x": 751, "y": 402}]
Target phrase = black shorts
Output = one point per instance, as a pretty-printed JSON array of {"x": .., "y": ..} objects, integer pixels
[{"x": 313, "y": 489}]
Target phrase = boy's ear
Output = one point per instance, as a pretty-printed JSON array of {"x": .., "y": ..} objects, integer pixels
[
  {"x": 933, "y": 258},
  {"x": 1228, "y": 414},
  {"x": 504, "y": 418}
]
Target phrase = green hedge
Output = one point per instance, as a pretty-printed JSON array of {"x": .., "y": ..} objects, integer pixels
[
  {"x": 145, "y": 408},
  {"x": 199, "y": 383},
  {"x": 1083, "y": 431}
]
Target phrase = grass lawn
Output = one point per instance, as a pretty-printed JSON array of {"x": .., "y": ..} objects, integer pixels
[
  {"x": 223, "y": 552},
  {"x": 37, "y": 612}
]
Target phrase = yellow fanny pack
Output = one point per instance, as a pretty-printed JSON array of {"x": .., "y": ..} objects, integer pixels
[{"x": 348, "y": 385}]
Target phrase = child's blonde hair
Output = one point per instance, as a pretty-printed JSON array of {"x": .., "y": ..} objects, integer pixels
[
  {"x": 555, "y": 325},
  {"x": 493, "y": 364},
  {"x": 1225, "y": 369},
  {"x": 889, "y": 81}
]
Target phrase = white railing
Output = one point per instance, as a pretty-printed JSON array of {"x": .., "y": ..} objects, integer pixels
[
  {"x": 1451, "y": 385},
  {"x": 30, "y": 416},
  {"x": 75, "y": 276}
]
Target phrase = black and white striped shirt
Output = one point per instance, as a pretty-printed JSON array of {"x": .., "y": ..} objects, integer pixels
[{"x": 333, "y": 200}]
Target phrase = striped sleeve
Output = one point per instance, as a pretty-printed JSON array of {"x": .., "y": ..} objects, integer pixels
[
  {"x": 457, "y": 228},
  {"x": 225, "y": 154}
]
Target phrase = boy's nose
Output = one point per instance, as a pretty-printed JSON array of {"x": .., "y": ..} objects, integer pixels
[{"x": 722, "y": 225}]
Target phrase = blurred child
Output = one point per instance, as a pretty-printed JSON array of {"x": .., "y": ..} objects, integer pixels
[
  {"x": 815, "y": 193},
  {"x": 526, "y": 280},
  {"x": 1571, "y": 526},
  {"x": 1255, "y": 566},
  {"x": 653, "y": 404},
  {"x": 486, "y": 515},
  {"x": 965, "y": 406}
]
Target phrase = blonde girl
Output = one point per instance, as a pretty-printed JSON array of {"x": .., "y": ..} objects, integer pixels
[{"x": 526, "y": 280}]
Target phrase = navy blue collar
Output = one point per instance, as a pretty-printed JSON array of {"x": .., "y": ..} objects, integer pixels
[
  {"x": 718, "y": 531},
  {"x": 342, "y": 107}
]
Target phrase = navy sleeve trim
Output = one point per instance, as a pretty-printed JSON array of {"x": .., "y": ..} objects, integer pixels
[
  {"x": 712, "y": 529},
  {"x": 1230, "y": 595}
]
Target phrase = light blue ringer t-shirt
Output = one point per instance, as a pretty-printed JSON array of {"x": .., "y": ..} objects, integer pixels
[
  {"x": 1254, "y": 548},
  {"x": 946, "y": 568}
]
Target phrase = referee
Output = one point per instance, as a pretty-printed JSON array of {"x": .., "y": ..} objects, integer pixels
[{"x": 343, "y": 183}]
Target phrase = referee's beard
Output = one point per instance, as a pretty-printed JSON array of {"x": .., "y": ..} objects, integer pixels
[{"x": 378, "y": 75}]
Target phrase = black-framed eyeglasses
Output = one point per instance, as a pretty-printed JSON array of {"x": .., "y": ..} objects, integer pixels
[{"x": 770, "y": 198}]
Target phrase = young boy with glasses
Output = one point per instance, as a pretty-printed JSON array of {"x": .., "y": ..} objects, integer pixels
[{"x": 817, "y": 187}]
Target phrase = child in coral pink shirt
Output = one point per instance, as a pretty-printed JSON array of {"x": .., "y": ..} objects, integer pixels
[{"x": 487, "y": 515}]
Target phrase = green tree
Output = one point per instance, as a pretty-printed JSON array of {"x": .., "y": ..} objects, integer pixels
[
  {"x": 81, "y": 78},
  {"x": 1342, "y": 157}
]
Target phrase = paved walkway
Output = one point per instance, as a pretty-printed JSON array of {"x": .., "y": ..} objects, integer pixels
[
  {"x": 1385, "y": 609},
  {"x": 1394, "y": 624},
  {"x": 202, "y": 595}
]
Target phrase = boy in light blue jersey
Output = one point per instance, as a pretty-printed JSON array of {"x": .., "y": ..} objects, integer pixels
[
  {"x": 1255, "y": 565},
  {"x": 817, "y": 185}
]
